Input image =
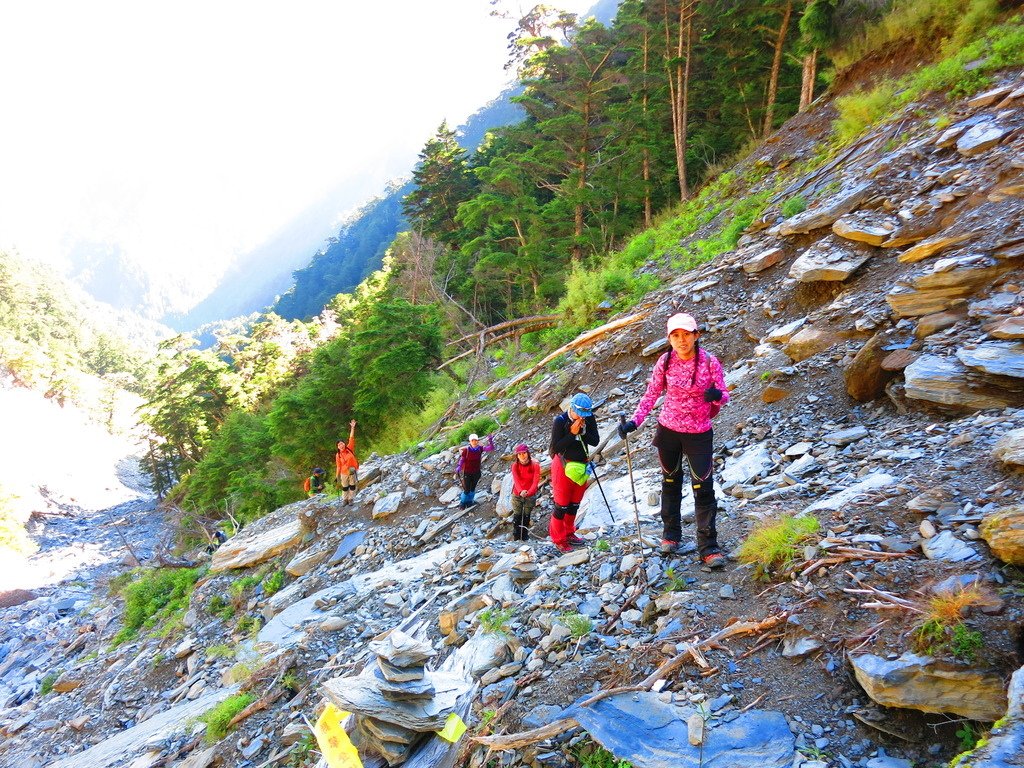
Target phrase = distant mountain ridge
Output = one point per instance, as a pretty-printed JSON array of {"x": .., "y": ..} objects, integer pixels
[
  {"x": 360, "y": 245},
  {"x": 270, "y": 279}
]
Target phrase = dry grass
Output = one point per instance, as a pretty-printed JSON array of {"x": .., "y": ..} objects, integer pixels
[{"x": 950, "y": 609}]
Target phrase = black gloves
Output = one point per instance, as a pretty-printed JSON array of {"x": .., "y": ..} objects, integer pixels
[
  {"x": 712, "y": 395},
  {"x": 625, "y": 427}
]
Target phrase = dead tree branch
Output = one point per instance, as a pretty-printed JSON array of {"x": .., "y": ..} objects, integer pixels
[{"x": 583, "y": 340}]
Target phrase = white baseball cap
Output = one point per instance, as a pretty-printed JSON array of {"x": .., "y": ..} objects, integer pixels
[
  {"x": 473, "y": 437},
  {"x": 681, "y": 321}
]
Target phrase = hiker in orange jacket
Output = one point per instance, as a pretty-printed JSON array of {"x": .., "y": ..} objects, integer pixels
[
  {"x": 347, "y": 465},
  {"x": 314, "y": 483}
]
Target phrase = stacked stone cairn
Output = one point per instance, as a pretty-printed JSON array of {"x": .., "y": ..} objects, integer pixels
[{"x": 397, "y": 701}]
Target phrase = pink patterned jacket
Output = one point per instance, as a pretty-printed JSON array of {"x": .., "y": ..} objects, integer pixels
[{"x": 684, "y": 409}]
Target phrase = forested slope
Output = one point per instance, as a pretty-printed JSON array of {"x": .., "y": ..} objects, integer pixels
[{"x": 578, "y": 210}]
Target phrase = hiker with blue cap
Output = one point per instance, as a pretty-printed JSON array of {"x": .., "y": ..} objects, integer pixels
[{"x": 571, "y": 433}]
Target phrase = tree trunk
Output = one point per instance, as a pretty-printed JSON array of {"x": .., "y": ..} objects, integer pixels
[
  {"x": 685, "y": 110},
  {"x": 646, "y": 163},
  {"x": 679, "y": 83},
  {"x": 807, "y": 81},
  {"x": 773, "y": 79}
]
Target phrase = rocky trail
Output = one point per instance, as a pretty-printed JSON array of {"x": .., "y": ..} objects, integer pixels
[{"x": 874, "y": 350}]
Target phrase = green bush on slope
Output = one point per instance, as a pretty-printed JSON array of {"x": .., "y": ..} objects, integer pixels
[
  {"x": 966, "y": 71},
  {"x": 154, "y": 596}
]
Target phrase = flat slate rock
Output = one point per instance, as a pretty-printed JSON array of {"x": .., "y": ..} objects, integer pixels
[
  {"x": 943, "y": 380},
  {"x": 922, "y": 683},
  {"x": 648, "y": 733},
  {"x": 360, "y": 695},
  {"x": 347, "y": 546},
  {"x": 998, "y": 358},
  {"x": 825, "y": 215},
  {"x": 828, "y": 260},
  {"x": 413, "y": 690},
  {"x": 384, "y": 731},
  {"x": 947, "y": 547},
  {"x": 402, "y": 650},
  {"x": 395, "y": 674}
]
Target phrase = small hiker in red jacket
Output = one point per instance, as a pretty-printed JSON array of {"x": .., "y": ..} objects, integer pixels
[
  {"x": 469, "y": 468},
  {"x": 525, "y": 479},
  {"x": 347, "y": 465},
  {"x": 314, "y": 483}
]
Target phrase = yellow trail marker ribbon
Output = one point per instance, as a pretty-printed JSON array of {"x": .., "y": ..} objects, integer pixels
[
  {"x": 453, "y": 728},
  {"x": 335, "y": 745}
]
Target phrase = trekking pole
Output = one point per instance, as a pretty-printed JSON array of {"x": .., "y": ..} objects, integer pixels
[
  {"x": 632, "y": 487},
  {"x": 598, "y": 481}
]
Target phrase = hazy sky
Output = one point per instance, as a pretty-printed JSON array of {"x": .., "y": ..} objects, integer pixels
[{"x": 184, "y": 134}]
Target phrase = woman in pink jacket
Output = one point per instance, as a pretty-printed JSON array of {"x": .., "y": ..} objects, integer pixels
[
  {"x": 695, "y": 391},
  {"x": 525, "y": 479}
]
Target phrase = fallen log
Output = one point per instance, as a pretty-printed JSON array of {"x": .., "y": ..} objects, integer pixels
[
  {"x": 583, "y": 340},
  {"x": 533, "y": 319},
  {"x": 260, "y": 704},
  {"x": 486, "y": 343}
]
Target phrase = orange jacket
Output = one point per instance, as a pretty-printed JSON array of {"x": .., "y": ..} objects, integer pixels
[{"x": 346, "y": 460}]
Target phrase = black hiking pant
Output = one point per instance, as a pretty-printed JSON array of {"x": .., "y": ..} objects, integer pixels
[
  {"x": 522, "y": 506},
  {"x": 681, "y": 454}
]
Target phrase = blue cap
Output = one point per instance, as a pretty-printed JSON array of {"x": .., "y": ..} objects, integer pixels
[{"x": 582, "y": 404}]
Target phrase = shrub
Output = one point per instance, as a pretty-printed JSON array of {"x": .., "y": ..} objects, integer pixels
[
  {"x": 793, "y": 206},
  {"x": 1001, "y": 48},
  {"x": 579, "y": 625},
  {"x": 303, "y": 752},
  {"x": 773, "y": 544},
  {"x": 220, "y": 651},
  {"x": 218, "y": 717},
  {"x": 861, "y": 109},
  {"x": 155, "y": 596},
  {"x": 46, "y": 684},
  {"x": 602, "y": 545},
  {"x": 218, "y": 606},
  {"x": 589, "y": 754},
  {"x": 494, "y": 620},
  {"x": 924, "y": 23},
  {"x": 674, "y": 582},
  {"x": 481, "y": 425},
  {"x": 273, "y": 583},
  {"x": 405, "y": 429},
  {"x": 248, "y": 625}
]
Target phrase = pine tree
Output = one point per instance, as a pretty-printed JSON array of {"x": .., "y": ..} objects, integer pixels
[{"x": 443, "y": 181}]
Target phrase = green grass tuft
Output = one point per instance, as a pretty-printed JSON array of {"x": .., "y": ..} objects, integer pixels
[
  {"x": 793, "y": 206},
  {"x": 494, "y": 620},
  {"x": 273, "y": 583},
  {"x": 579, "y": 625},
  {"x": 46, "y": 684},
  {"x": 218, "y": 717},
  {"x": 774, "y": 545}
]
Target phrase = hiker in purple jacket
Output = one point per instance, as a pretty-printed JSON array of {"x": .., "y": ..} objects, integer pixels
[{"x": 469, "y": 468}]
